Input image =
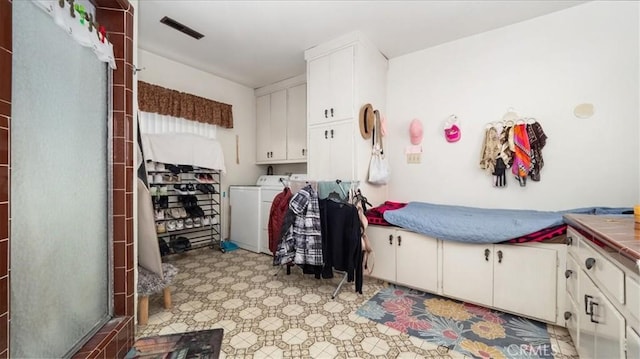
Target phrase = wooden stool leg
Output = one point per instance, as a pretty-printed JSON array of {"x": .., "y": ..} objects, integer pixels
[
  {"x": 143, "y": 310},
  {"x": 167, "y": 298}
]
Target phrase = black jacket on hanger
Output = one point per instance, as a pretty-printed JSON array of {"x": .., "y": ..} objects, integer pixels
[{"x": 341, "y": 245}]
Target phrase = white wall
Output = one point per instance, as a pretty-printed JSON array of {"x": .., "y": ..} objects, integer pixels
[
  {"x": 174, "y": 75},
  {"x": 542, "y": 68}
]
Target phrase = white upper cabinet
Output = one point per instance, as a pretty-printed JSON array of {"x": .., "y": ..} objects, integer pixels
[
  {"x": 331, "y": 80},
  {"x": 297, "y": 123},
  {"x": 281, "y": 131}
]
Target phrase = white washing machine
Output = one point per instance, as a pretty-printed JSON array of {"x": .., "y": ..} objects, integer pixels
[{"x": 248, "y": 205}]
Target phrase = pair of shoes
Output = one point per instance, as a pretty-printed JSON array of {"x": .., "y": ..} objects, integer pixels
[
  {"x": 197, "y": 222},
  {"x": 204, "y": 178},
  {"x": 188, "y": 223},
  {"x": 164, "y": 247},
  {"x": 170, "y": 178},
  {"x": 206, "y": 188},
  {"x": 161, "y": 201},
  {"x": 161, "y": 228},
  {"x": 184, "y": 188},
  {"x": 159, "y": 215},
  {"x": 180, "y": 244},
  {"x": 171, "y": 226},
  {"x": 177, "y": 213}
]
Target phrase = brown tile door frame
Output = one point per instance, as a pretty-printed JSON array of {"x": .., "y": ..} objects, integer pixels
[{"x": 116, "y": 337}]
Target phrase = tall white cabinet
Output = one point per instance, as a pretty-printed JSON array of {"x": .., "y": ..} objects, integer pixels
[
  {"x": 342, "y": 76},
  {"x": 281, "y": 122}
]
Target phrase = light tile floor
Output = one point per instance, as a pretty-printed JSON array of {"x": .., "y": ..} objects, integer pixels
[{"x": 284, "y": 316}]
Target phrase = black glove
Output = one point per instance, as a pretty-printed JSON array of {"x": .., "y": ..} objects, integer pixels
[{"x": 500, "y": 179}]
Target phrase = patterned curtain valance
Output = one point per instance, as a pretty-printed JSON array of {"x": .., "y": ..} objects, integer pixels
[{"x": 156, "y": 99}]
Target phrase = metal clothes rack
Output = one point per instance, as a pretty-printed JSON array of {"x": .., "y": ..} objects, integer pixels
[{"x": 346, "y": 197}]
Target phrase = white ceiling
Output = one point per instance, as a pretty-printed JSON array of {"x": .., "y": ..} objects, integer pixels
[{"x": 256, "y": 43}]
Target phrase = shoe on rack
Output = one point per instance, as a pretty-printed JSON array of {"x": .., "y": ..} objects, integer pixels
[
  {"x": 197, "y": 222},
  {"x": 214, "y": 219},
  {"x": 160, "y": 228},
  {"x": 174, "y": 169},
  {"x": 206, "y": 221},
  {"x": 159, "y": 214},
  {"x": 179, "y": 224},
  {"x": 163, "y": 201},
  {"x": 159, "y": 166},
  {"x": 153, "y": 190},
  {"x": 200, "y": 178},
  {"x": 157, "y": 178},
  {"x": 202, "y": 188},
  {"x": 191, "y": 189},
  {"x": 210, "y": 178},
  {"x": 163, "y": 190},
  {"x": 180, "y": 244},
  {"x": 171, "y": 226},
  {"x": 167, "y": 179},
  {"x": 188, "y": 223},
  {"x": 183, "y": 212},
  {"x": 149, "y": 179},
  {"x": 180, "y": 189},
  {"x": 164, "y": 247},
  {"x": 174, "y": 213}
]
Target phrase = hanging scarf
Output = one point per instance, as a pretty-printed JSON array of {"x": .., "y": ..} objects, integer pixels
[
  {"x": 490, "y": 150},
  {"x": 522, "y": 154},
  {"x": 537, "y": 140}
]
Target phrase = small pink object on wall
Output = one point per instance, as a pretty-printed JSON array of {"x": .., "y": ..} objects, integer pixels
[
  {"x": 415, "y": 131},
  {"x": 451, "y": 129}
]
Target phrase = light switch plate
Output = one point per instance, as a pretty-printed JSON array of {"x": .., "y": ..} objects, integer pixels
[{"x": 413, "y": 158}]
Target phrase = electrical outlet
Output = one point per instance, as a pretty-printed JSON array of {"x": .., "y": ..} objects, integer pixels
[{"x": 413, "y": 158}]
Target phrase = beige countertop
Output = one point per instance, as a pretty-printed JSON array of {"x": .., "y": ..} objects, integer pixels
[{"x": 617, "y": 233}]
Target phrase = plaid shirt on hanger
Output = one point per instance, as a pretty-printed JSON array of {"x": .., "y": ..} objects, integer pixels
[{"x": 306, "y": 227}]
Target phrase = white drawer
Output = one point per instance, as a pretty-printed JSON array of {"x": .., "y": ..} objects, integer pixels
[
  {"x": 571, "y": 273},
  {"x": 602, "y": 271},
  {"x": 633, "y": 301}
]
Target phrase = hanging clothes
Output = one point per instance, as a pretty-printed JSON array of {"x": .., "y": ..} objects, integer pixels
[
  {"x": 277, "y": 214},
  {"x": 341, "y": 238},
  {"x": 490, "y": 149},
  {"x": 537, "y": 140},
  {"x": 301, "y": 242},
  {"x": 522, "y": 154}
]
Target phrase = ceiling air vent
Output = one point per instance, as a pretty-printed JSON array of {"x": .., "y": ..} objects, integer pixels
[{"x": 182, "y": 28}]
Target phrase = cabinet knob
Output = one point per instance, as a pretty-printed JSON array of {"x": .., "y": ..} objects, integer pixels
[
  {"x": 332, "y": 112},
  {"x": 331, "y": 133},
  {"x": 486, "y": 254},
  {"x": 391, "y": 239},
  {"x": 569, "y": 241},
  {"x": 499, "y": 256},
  {"x": 399, "y": 241},
  {"x": 590, "y": 262},
  {"x": 567, "y": 315},
  {"x": 326, "y": 134},
  {"x": 303, "y": 151},
  {"x": 568, "y": 273},
  {"x": 326, "y": 114}
]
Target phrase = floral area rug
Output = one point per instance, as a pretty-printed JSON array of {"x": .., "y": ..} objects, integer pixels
[{"x": 462, "y": 327}]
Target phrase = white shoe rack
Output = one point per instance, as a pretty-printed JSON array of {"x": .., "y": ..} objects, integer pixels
[{"x": 161, "y": 183}]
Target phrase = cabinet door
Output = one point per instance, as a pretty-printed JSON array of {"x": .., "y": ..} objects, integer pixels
[
  {"x": 417, "y": 261},
  {"x": 383, "y": 242},
  {"x": 319, "y": 86},
  {"x": 633, "y": 343},
  {"x": 520, "y": 275},
  {"x": 278, "y": 126},
  {"x": 318, "y": 162},
  {"x": 587, "y": 329},
  {"x": 342, "y": 84},
  {"x": 610, "y": 329},
  {"x": 297, "y": 122},
  {"x": 342, "y": 151},
  {"x": 467, "y": 271},
  {"x": 263, "y": 129}
]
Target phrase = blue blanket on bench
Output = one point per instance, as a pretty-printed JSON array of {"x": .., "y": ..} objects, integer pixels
[{"x": 480, "y": 225}]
